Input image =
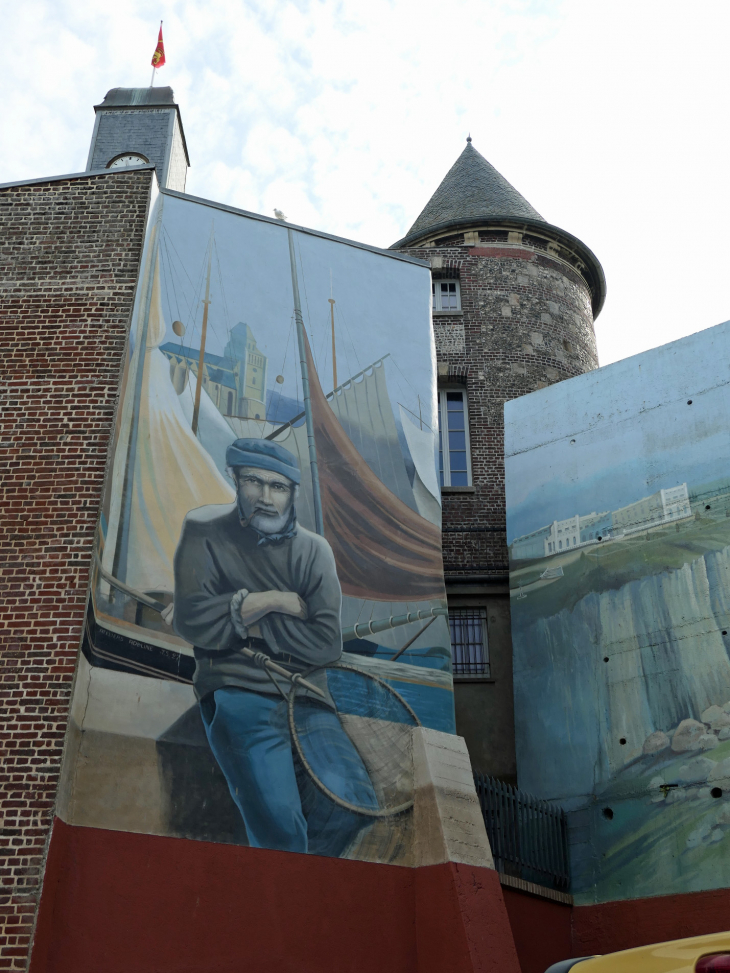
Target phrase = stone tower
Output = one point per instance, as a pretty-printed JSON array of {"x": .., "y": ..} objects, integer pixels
[
  {"x": 515, "y": 298},
  {"x": 136, "y": 126}
]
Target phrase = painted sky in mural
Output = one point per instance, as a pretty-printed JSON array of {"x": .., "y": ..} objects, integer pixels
[
  {"x": 268, "y": 575},
  {"x": 618, "y": 494}
]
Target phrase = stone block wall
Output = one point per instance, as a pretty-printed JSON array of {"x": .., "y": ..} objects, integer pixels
[{"x": 69, "y": 257}]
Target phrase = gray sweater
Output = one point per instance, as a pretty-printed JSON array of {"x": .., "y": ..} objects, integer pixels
[{"x": 216, "y": 557}]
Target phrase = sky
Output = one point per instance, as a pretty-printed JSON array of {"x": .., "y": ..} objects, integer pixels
[
  {"x": 610, "y": 118},
  {"x": 610, "y": 437},
  {"x": 251, "y": 282}
]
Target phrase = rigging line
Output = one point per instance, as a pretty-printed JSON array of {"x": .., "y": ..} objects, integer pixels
[
  {"x": 173, "y": 276},
  {"x": 420, "y": 419},
  {"x": 211, "y": 322},
  {"x": 349, "y": 335},
  {"x": 283, "y": 367},
  {"x": 413, "y": 638},
  {"x": 197, "y": 288},
  {"x": 343, "y": 349},
  {"x": 168, "y": 273},
  {"x": 396, "y": 365},
  {"x": 192, "y": 307},
  {"x": 321, "y": 346},
  {"x": 164, "y": 282},
  {"x": 325, "y": 354},
  {"x": 182, "y": 264},
  {"x": 306, "y": 301},
  {"x": 226, "y": 314},
  {"x": 176, "y": 288},
  {"x": 362, "y": 605}
]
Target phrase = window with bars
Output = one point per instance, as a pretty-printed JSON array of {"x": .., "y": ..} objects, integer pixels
[
  {"x": 446, "y": 295},
  {"x": 454, "y": 457},
  {"x": 469, "y": 647}
]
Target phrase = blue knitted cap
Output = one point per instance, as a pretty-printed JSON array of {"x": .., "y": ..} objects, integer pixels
[{"x": 264, "y": 455}]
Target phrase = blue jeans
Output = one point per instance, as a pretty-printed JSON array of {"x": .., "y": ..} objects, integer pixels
[{"x": 249, "y": 735}]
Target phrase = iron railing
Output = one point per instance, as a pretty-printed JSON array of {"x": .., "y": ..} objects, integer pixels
[{"x": 529, "y": 837}]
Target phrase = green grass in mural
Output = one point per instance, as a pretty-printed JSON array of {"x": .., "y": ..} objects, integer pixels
[
  {"x": 610, "y": 565},
  {"x": 652, "y": 844}
]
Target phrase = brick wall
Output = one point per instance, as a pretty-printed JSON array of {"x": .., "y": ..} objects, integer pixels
[{"x": 69, "y": 258}]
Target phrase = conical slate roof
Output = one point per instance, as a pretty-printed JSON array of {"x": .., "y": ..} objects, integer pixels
[{"x": 472, "y": 189}]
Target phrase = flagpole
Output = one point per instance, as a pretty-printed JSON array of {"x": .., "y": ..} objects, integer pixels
[
  {"x": 161, "y": 50},
  {"x": 314, "y": 468}
]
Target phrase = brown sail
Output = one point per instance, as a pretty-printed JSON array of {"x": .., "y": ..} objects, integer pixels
[{"x": 384, "y": 550}]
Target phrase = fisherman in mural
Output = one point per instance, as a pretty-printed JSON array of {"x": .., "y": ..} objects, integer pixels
[{"x": 248, "y": 576}]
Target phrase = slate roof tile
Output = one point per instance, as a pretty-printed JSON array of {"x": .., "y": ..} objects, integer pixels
[{"x": 472, "y": 189}]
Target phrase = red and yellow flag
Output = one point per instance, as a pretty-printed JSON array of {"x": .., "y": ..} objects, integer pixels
[{"x": 158, "y": 58}]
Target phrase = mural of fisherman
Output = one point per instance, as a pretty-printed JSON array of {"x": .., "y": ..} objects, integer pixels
[{"x": 253, "y": 587}]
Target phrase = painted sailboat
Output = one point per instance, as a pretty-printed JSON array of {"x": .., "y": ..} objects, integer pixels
[{"x": 381, "y": 523}]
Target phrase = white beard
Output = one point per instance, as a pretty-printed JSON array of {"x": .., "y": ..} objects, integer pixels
[{"x": 266, "y": 524}]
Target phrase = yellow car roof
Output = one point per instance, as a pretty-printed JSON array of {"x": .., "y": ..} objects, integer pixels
[{"x": 676, "y": 956}]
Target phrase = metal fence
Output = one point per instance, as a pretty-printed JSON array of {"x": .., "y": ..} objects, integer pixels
[{"x": 529, "y": 837}]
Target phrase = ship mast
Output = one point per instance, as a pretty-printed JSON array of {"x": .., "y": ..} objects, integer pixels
[
  {"x": 334, "y": 356},
  {"x": 316, "y": 497},
  {"x": 201, "y": 359}
]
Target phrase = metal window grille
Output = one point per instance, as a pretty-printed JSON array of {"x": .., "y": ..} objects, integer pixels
[
  {"x": 469, "y": 641},
  {"x": 528, "y": 837}
]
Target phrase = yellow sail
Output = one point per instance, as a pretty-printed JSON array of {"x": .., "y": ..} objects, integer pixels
[{"x": 173, "y": 473}]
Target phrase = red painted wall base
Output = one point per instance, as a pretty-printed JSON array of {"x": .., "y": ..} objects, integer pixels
[
  {"x": 611, "y": 926},
  {"x": 131, "y": 903},
  {"x": 541, "y": 929}
]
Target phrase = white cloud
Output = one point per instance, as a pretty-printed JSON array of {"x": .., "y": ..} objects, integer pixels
[{"x": 609, "y": 118}]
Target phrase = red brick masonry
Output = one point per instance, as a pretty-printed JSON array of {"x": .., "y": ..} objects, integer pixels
[{"x": 69, "y": 258}]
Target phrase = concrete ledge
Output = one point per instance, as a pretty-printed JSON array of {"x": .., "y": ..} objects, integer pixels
[
  {"x": 447, "y": 818},
  {"x": 532, "y": 888}
]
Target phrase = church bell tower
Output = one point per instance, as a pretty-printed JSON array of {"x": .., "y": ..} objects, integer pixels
[{"x": 136, "y": 126}]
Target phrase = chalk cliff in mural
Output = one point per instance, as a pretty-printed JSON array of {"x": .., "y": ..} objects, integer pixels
[
  {"x": 618, "y": 488},
  {"x": 267, "y": 621}
]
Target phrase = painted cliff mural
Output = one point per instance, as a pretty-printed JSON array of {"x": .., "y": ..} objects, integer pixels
[
  {"x": 267, "y": 619},
  {"x": 618, "y": 493}
]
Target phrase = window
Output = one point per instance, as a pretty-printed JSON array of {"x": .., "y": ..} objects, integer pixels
[
  {"x": 454, "y": 458},
  {"x": 470, "y": 656},
  {"x": 446, "y": 295},
  {"x": 230, "y": 403}
]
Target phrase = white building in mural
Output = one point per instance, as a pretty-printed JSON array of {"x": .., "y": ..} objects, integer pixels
[
  {"x": 662, "y": 507},
  {"x": 563, "y": 535}
]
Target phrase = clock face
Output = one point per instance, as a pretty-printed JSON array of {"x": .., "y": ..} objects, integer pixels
[{"x": 127, "y": 160}]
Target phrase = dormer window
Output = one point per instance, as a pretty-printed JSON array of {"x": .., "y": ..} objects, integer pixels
[{"x": 446, "y": 296}]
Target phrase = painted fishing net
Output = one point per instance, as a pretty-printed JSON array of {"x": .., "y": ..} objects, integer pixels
[{"x": 368, "y": 768}]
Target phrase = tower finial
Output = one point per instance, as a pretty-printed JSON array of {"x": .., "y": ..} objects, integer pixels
[{"x": 468, "y": 138}]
